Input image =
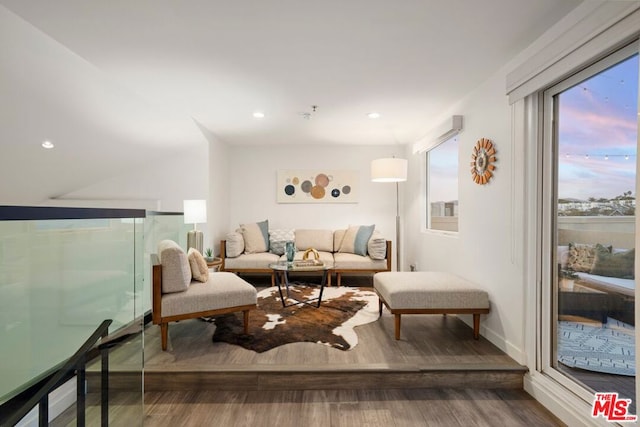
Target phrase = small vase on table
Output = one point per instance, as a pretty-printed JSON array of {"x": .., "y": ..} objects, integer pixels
[{"x": 290, "y": 251}]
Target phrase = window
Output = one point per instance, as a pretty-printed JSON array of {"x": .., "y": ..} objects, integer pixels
[
  {"x": 442, "y": 186},
  {"x": 590, "y": 271}
]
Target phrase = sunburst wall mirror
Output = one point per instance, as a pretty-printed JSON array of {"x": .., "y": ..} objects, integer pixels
[{"x": 482, "y": 161}]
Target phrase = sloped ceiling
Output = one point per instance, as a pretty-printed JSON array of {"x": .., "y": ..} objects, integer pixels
[{"x": 116, "y": 82}]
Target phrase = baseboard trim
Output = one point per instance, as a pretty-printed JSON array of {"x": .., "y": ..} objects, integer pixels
[{"x": 511, "y": 350}]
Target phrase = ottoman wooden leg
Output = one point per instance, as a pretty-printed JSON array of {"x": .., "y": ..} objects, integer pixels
[
  {"x": 476, "y": 325},
  {"x": 398, "y": 326}
]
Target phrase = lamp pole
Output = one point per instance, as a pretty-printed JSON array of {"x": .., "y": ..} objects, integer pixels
[
  {"x": 397, "y": 227},
  {"x": 391, "y": 170}
]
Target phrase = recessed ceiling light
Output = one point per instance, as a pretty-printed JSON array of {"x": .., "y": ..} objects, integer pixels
[
  {"x": 258, "y": 115},
  {"x": 373, "y": 115},
  {"x": 47, "y": 144}
]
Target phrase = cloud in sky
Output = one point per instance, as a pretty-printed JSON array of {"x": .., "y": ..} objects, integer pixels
[{"x": 598, "y": 118}]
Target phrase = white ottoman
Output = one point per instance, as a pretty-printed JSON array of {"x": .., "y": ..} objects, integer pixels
[{"x": 429, "y": 292}]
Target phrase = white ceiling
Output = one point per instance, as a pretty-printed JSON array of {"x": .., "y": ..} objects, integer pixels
[
  {"x": 120, "y": 84},
  {"x": 219, "y": 61}
]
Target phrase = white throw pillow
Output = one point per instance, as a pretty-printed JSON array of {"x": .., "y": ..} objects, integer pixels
[
  {"x": 377, "y": 246},
  {"x": 199, "y": 268},
  {"x": 234, "y": 244}
]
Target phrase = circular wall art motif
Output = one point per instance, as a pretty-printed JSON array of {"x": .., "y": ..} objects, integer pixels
[
  {"x": 306, "y": 186},
  {"x": 317, "y": 192},
  {"x": 316, "y": 186},
  {"x": 322, "y": 180},
  {"x": 482, "y": 160}
]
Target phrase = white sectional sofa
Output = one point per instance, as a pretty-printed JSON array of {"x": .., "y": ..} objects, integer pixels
[{"x": 250, "y": 249}]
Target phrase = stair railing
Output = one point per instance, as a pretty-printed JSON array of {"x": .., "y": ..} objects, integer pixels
[{"x": 76, "y": 363}]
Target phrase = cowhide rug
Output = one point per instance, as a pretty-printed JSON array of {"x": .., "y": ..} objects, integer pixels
[{"x": 271, "y": 325}]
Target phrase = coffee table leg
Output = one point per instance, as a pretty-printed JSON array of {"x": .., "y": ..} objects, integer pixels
[
  {"x": 324, "y": 282},
  {"x": 285, "y": 275},
  {"x": 279, "y": 280}
]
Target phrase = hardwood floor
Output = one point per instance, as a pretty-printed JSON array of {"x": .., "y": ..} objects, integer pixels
[
  {"x": 415, "y": 407},
  {"x": 437, "y": 374},
  {"x": 348, "y": 408}
]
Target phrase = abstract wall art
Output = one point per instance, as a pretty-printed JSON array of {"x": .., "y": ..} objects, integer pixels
[{"x": 321, "y": 186}]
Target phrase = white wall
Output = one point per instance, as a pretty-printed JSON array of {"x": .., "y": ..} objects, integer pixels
[
  {"x": 218, "y": 197},
  {"x": 252, "y": 187},
  {"x": 160, "y": 184},
  {"x": 488, "y": 247}
]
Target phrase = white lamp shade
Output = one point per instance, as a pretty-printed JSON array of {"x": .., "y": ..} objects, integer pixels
[
  {"x": 195, "y": 211},
  {"x": 389, "y": 170}
]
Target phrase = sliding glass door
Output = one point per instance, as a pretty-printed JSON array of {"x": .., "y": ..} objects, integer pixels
[{"x": 590, "y": 154}]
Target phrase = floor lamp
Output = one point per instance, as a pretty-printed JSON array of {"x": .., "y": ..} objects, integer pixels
[
  {"x": 391, "y": 170},
  {"x": 195, "y": 211}
]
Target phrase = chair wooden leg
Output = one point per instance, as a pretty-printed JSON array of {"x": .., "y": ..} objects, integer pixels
[
  {"x": 329, "y": 279},
  {"x": 476, "y": 326},
  {"x": 339, "y": 279},
  {"x": 379, "y": 307},
  {"x": 246, "y": 322},
  {"x": 273, "y": 279},
  {"x": 398, "y": 326},
  {"x": 164, "y": 334}
]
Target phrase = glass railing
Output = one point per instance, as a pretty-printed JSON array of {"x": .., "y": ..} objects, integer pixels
[
  {"x": 63, "y": 271},
  {"x": 160, "y": 226}
]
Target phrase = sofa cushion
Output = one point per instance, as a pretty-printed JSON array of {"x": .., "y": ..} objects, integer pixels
[
  {"x": 176, "y": 271},
  {"x": 619, "y": 264},
  {"x": 356, "y": 238},
  {"x": 609, "y": 284},
  {"x": 377, "y": 246},
  {"x": 199, "y": 268},
  {"x": 222, "y": 290},
  {"x": 346, "y": 261},
  {"x": 256, "y": 237},
  {"x": 320, "y": 240},
  {"x": 235, "y": 244},
  {"x": 278, "y": 238},
  {"x": 251, "y": 261}
]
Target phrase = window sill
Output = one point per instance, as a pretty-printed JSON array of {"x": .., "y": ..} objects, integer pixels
[{"x": 440, "y": 232}]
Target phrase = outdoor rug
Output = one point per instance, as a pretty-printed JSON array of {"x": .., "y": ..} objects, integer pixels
[
  {"x": 271, "y": 325},
  {"x": 607, "y": 348}
]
